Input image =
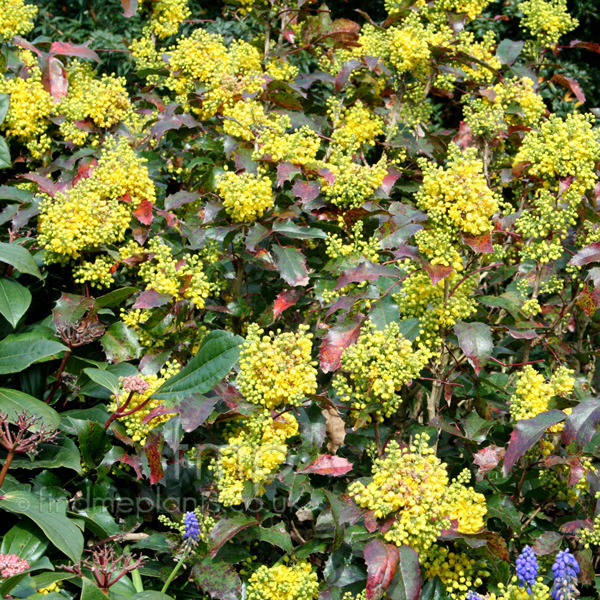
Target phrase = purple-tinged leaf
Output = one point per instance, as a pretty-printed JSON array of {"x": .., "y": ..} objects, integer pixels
[
  {"x": 286, "y": 172},
  {"x": 526, "y": 433},
  {"x": 508, "y": 51},
  {"x": 227, "y": 528},
  {"x": 130, "y": 7},
  {"x": 291, "y": 265},
  {"x": 306, "y": 190},
  {"x": 382, "y": 562},
  {"x": 152, "y": 299},
  {"x": 218, "y": 579},
  {"x": 475, "y": 340},
  {"x": 437, "y": 272},
  {"x": 548, "y": 543},
  {"x": 586, "y": 255},
  {"x": 338, "y": 338},
  {"x": 194, "y": 411},
  {"x": 580, "y": 425},
  {"x": 345, "y": 71},
  {"x": 407, "y": 582},
  {"x": 367, "y": 271},
  {"x": 177, "y": 200}
]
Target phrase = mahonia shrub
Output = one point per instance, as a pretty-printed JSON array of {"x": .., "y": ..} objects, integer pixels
[{"x": 299, "y": 302}]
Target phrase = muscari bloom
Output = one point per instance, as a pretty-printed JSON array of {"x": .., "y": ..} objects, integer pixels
[
  {"x": 191, "y": 527},
  {"x": 527, "y": 568},
  {"x": 565, "y": 570}
]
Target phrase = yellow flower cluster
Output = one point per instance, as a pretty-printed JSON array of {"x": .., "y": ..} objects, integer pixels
[
  {"x": 49, "y": 589},
  {"x": 471, "y": 8},
  {"x": 97, "y": 211},
  {"x": 547, "y": 20},
  {"x": 282, "y": 70},
  {"x": 255, "y": 449},
  {"x": 563, "y": 148},
  {"x": 465, "y": 505},
  {"x": 29, "y": 109},
  {"x": 277, "y": 369},
  {"x": 432, "y": 305},
  {"x": 376, "y": 368},
  {"x": 459, "y": 193},
  {"x": 226, "y": 73},
  {"x": 167, "y": 15},
  {"x": 412, "y": 484},
  {"x": 458, "y": 572},
  {"x": 533, "y": 392},
  {"x": 182, "y": 278},
  {"x": 243, "y": 118},
  {"x": 98, "y": 273},
  {"x": 245, "y": 196},
  {"x": 146, "y": 55},
  {"x": 515, "y": 591},
  {"x": 483, "y": 51},
  {"x": 355, "y": 126},
  {"x": 103, "y": 102},
  {"x": 282, "y": 582},
  {"x": 299, "y": 147},
  {"x": 353, "y": 183},
  {"x": 359, "y": 247},
  {"x": 15, "y": 18},
  {"x": 495, "y": 112},
  {"x": 134, "y": 425}
]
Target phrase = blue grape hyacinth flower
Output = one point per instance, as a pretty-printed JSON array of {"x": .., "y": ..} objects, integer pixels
[
  {"x": 191, "y": 527},
  {"x": 565, "y": 570},
  {"x": 527, "y": 568}
]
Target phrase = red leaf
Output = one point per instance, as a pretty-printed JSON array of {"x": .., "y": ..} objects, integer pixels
[
  {"x": 153, "y": 449},
  {"x": 337, "y": 339},
  {"x": 45, "y": 184},
  {"x": 327, "y": 175},
  {"x": 284, "y": 300},
  {"x": 85, "y": 168},
  {"x": 437, "y": 272},
  {"x": 134, "y": 462},
  {"x": 286, "y": 172},
  {"x": 593, "y": 46},
  {"x": 159, "y": 411},
  {"x": 326, "y": 464},
  {"x": 306, "y": 190},
  {"x": 54, "y": 78},
  {"x": 151, "y": 299},
  {"x": 65, "y": 49},
  {"x": 143, "y": 212},
  {"x": 571, "y": 85},
  {"x": 526, "y": 433},
  {"x": 463, "y": 138},
  {"x": 482, "y": 244},
  {"x": 130, "y": 7},
  {"x": 22, "y": 43},
  {"x": 389, "y": 180},
  {"x": 487, "y": 459},
  {"x": 382, "y": 561},
  {"x": 586, "y": 255}
]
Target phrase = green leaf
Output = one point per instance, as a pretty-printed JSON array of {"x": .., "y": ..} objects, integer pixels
[
  {"x": 290, "y": 229},
  {"x": 14, "y": 402},
  {"x": 227, "y": 528},
  {"x": 4, "y": 104},
  {"x": 14, "y": 300},
  {"x": 90, "y": 591},
  {"x": 26, "y": 540},
  {"x": 94, "y": 443},
  {"x": 60, "y": 453},
  {"x": 104, "y": 378},
  {"x": 20, "y": 258},
  {"x": 120, "y": 343},
  {"x": 217, "y": 355},
  {"x": 475, "y": 340},
  {"x": 18, "y": 351},
  {"x": 50, "y": 516},
  {"x": 5, "y": 161},
  {"x": 291, "y": 265},
  {"x": 406, "y": 584},
  {"x": 410, "y": 328},
  {"x": 114, "y": 298},
  {"x": 508, "y": 51},
  {"x": 150, "y": 595}
]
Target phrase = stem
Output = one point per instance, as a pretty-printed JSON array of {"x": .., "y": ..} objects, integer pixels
[
  {"x": 58, "y": 376},
  {"x": 10, "y": 456},
  {"x": 175, "y": 570}
]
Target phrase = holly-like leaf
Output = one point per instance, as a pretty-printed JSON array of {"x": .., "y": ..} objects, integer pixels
[
  {"x": 488, "y": 459},
  {"x": 66, "y": 49},
  {"x": 367, "y": 271},
  {"x": 120, "y": 343},
  {"x": 227, "y": 528},
  {"x": 326, "y": 464},
  {"x": 382, "y": 561},
  {"x": 151, "y": 299},
  {"x": 218, "y": 579},
  {"x": 586, "y": 255},
  {"x": 481, "y": 244},
  {"x": 548, "y": 543},
  {"x": 291, "y": 265},
  {"x": 284, "y": 300},
  {"x": 338, "y": 338},
  {"x": 143, "y": 213},
  {"x": 475, "y": 340},
  {"x": 508, "y": 51},
  {"x": 526, "y": 433},
  {"x": 571, "y": 85},
  {"x": 580, "y": 425},
  {"x": 407, "y": 582},
  {"x": 306, "y": 190}
]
